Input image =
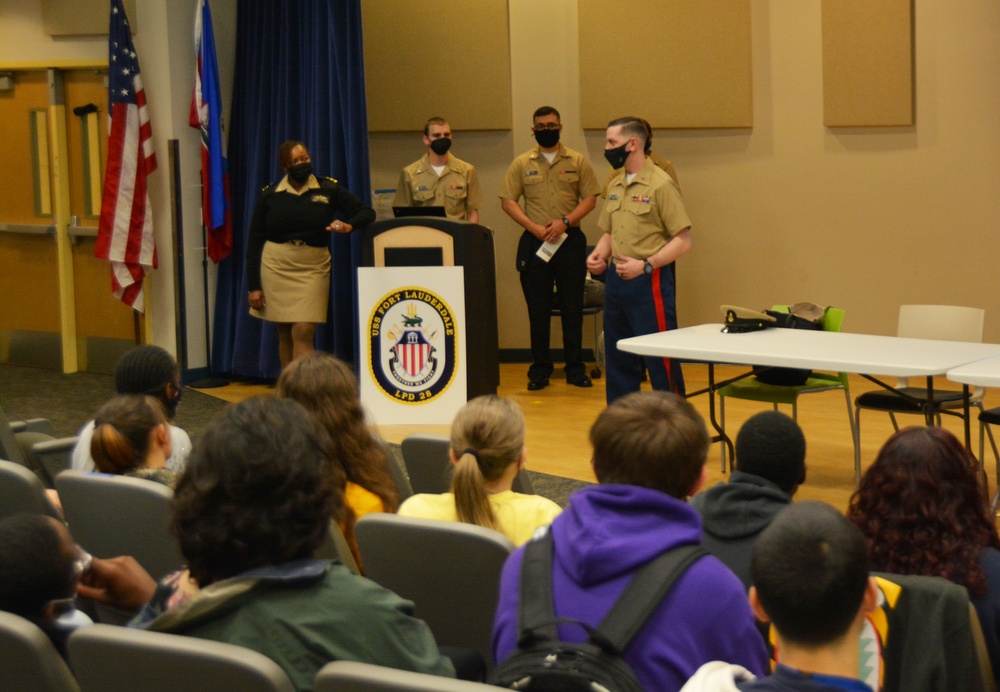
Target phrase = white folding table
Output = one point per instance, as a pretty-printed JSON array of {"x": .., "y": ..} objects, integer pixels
[{"x": 863, "y": 354}]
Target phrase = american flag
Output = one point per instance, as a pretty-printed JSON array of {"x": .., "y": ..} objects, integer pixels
[
  {"x": 125, "y": 231},
  {"x": 206, "y": 114}
]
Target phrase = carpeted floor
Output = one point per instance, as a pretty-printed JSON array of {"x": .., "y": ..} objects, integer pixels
[{"x": 69, "y": 401}]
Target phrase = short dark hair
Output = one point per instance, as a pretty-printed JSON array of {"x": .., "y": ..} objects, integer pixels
[
  {"x": 34, "y": 569},
  {"x": 652, "y": 439},
  {"x": 436, "y": 120},
  {"x": 633, "y": 127},
  {"x": 546, "y": 110},
  {"x": 771, "y": 445},
  {"x": 810, "y": 569},
  {"x": 285, "y": 152},
  {"x": 145, "y": 370},
  {"x": 259, "y": 489}
]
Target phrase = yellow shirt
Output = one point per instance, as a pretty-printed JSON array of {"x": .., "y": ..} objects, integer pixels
[
  {"x": 518, "y": 515},
  {"x": 456, "y": 189},
  {"x": 362, "y": 501},
  {"x": 642, "y": 216},
  {"x": 550, "y": 191}
]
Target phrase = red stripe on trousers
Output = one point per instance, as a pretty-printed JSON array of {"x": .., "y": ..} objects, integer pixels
[{"x": 661, "y": 322}]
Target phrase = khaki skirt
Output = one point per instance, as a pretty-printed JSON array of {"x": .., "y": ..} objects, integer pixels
[{"x": 296, "y": 281}]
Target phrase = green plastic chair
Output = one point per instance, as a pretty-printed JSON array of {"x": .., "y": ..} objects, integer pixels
[{"x": 754, "y": 390}]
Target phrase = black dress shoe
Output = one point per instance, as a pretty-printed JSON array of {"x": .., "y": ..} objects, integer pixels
[
  {"x": 580, "y": 381},
  {"x": 537, "y": 383}
]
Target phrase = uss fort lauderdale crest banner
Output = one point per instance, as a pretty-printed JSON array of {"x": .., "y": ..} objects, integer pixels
[{"x": 412, "y": 336}]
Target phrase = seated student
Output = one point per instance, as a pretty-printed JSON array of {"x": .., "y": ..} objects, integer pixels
[
  {"x": 649, "y": 456},
  {"x": 487, "y": 450},
  {"x": 251, "y": 508},
  {"x": 144, "y": 370},
  {"x": 923, "y": 510},
  {"x": 39, "y": 570},
  {"x": 811, "y": 581},
  {"x": 770, "y": 466},
  {"x": 131, "y": 437},
  {"x": 328, "y": 389}
]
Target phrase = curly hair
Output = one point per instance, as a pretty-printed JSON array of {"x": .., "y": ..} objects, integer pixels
[
  {"x": 328, "y": 390},
  {"x": 259, "y": 489},
  {"x": 922, "y": 509},
  {"x": 487, "y": 436}
]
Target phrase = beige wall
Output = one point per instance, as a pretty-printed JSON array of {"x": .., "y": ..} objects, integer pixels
[{"x": 864, "y": 219}]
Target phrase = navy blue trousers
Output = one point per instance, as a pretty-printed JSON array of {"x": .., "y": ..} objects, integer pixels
[{"x": 643, "y": 305}]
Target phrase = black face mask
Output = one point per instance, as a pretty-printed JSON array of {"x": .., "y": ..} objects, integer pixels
[
  {"x": 300, "y": 172},
  {"x": 440, "y": 146},
  {"x": 616, "y": 157},
  {"x": 547, "y": 138}
]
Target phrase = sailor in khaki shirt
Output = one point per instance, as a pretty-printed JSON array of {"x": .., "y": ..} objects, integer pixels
[
  {"x": 439, "y": 179},
  {"x": 559, "y": 189},
  {"x": 646, "y": 229}
]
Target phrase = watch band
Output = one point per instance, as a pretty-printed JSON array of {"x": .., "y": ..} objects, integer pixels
[{"x": 565, "y": 220}]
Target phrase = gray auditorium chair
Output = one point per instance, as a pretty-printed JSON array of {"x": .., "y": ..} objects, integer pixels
[
  {"x": 335, "y": 547},
  {"x": 352, "y": 676},
  {"x": 450, "y": 570},
  {"x": 427, "y": 462},
  {"x": 21, "y": 492},
  {"x": 54, "y": 457},
  {"x": 116, "y": 659},
  {"x": 28, "y": 660},
  {"x": 117, "y": 515},
  {"x": 429, "y": 466},
  {"x": 397, "y": 470}
]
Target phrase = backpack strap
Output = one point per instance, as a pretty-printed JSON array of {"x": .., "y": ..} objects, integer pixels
[
  {"x": 536, "y": 618},
  {"x": 641, "y": 597}
]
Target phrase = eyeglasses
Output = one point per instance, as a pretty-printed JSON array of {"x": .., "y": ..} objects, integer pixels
[{"x": 542, "y": 127}]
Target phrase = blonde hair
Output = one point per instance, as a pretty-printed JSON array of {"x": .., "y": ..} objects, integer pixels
[
  {"x": 122, "y": 428},
  {"x": 487, "y": 436}
]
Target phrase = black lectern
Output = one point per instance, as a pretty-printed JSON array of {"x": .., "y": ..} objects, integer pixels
[{"x": 434, "y": 242}]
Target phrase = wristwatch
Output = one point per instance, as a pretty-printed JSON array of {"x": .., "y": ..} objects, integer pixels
[
  {"x": 565, "y": 220},
  {"x": 647, "y": 268}
]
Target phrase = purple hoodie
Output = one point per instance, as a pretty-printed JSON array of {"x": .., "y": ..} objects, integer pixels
[{"x": 605, "y": 534}]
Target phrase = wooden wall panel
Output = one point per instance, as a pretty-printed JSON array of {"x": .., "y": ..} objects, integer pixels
[
  {"x": 81, "y": 17},
  {"x": 437, "y": 57},
  {"x": 30, "y": 279},
  {"x": 690, "y": 68},
  {"x": 868, "y": 63}
]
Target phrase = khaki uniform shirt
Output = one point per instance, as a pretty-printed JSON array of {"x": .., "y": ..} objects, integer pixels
[
  {"x": 551, "y": 191},
  {"x": 457, "y": 189},
  {"x": 660, "y": 163},
  {"x": 644, "y": 215}
]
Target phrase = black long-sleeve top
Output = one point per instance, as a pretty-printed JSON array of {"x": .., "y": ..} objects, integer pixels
[{"x": 282, "y": 216}]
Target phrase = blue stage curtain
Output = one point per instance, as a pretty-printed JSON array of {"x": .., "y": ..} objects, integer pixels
[{"x": 299, "y": 75}]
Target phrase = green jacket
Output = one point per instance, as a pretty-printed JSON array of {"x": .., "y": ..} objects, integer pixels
[{"x": 302, "y": 615}]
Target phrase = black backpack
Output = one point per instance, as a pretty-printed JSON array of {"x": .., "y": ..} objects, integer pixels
[
  {"x": 543, "y": 662},
  {"x": 786, "y": 376}
]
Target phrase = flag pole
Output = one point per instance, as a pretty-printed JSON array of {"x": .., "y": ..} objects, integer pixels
[{"x": 210, "y": 382}]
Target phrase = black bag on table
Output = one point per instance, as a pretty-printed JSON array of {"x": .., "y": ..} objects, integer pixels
[{"x": 790, "y": 320}]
